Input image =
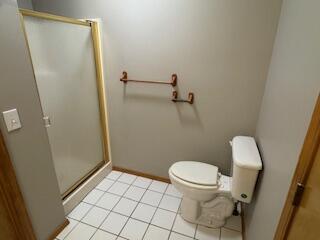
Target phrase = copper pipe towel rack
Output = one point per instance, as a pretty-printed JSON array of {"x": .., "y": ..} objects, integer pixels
[
  {"x": 189, "y": 100},
  {"x": 173, "y": 82}
]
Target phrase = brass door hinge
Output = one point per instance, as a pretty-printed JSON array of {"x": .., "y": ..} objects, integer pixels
[{"x": 298, "y": 194}]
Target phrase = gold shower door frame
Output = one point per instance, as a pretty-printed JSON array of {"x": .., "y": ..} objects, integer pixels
[{"x": 96, "y": 41}]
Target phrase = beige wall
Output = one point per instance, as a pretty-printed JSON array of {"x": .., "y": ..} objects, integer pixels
[
  {"x": 28, "y": 147},
  {"x": 220, "y": 51},
  {"x": 291, "y": 91},
  {"x": 25, "y": 4}
]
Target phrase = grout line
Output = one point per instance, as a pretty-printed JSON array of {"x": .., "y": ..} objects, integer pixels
[{"x": 155, "y": 210}]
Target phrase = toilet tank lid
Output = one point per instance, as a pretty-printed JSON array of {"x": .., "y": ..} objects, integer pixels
[{"x": 245, "y": 153}]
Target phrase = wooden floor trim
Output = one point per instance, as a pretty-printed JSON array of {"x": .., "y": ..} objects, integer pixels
[
  {"x": 59, "y": 229},
  {"x": 12, "y": 198},
  {"x": 141, "y": 174}
]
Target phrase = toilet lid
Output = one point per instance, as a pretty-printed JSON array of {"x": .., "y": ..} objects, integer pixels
[{"x": 196, "y": 172}]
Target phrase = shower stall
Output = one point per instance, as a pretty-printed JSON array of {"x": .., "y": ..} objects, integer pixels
[{"x": 67, "y": 64}]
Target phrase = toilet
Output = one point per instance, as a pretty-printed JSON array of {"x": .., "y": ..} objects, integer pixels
[{"x": 209, "y": 197}]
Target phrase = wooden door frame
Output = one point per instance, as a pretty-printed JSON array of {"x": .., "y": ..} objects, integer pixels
[
  {"x": 11, "y": 195},
  {"x": 306, "y": 159}
]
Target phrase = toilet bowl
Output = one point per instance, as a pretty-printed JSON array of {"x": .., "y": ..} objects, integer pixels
[{"x": 208, "y": 197}]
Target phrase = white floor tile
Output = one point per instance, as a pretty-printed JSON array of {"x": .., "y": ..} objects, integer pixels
[
  {"x": 79, "y": 211},
  {"x": 102, "y": 235},
  {"x": 204, "y": 233},
  {"x": 114, "y": 223},
  {"x": 171, "y": 190},
  {"x": 142, "y": 182},
  {"x": 105, "y": 184},
  {"x": 134, "y": 193},
  {"x": 127, "y": 178},
  {"x": 108, "y": 201},
  {"x": 176, "y": 236},
  {"x": 143, "y": 212},
  {"x": 125, "y": 206},
  {"x": 170, "y": 203},
  {"x": 114, "y": 175},
  {"x": 67, "y": 229},
  {"x": 184, "y": 227},
  {"x": 234, "y": 223},
  {"x": 95, "y": 216},
  {"x": 81, "y": 232},
  {"x": 152, "y": 198},
  {"x": 93, "y": 196},
  {"x": 118, "y": 188},
  {"x": 158, "y": 186},
  {"x": 156, "y": 233},
  {"x": 227, "y": 234},
  {"x": 134, "y": 229},
  {"x": 163, "y": 218}
]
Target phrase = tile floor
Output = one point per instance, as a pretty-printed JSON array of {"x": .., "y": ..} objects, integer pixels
[{"x": 125, "y": 206}]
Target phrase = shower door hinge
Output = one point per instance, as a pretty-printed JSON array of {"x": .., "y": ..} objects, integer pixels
[
  {"x": 47, "y": 121},
  {"x": 298, "y": 194}
]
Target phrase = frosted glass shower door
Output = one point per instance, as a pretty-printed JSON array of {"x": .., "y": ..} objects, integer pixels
[{"x": 64, "y": 65}]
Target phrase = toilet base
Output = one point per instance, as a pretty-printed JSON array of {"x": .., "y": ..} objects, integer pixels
[{"x": 213, "y": 213}]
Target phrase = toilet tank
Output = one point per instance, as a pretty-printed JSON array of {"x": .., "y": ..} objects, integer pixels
[{"x": 246, "y": 166}]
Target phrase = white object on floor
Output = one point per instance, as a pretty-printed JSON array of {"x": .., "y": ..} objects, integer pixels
[
  {"x": 151, "y": 198},
  {"x": 80, "y": 211},
  {"x": 163, "y": 218},
  {"x": 134, "y": 229},
  {"x": 227, "y": 234},
  {"x": 108, "y": 201},
  {"x": 156, "y": 233},
  {"x": 81, "y": 232},
  {"x": 127, "y": 178},
  {"x": 125, "y": 206},
  {"x": 183, "y": 227},
  {"x": 118, "y": 188},
  {"x": 158, "y": 186},
  {"x": 144, "y": 212},
  {"x": 114, "y": 223},
  {"x": 93, "y": 196},
  {"x": 102, "y": 235},
  {"x": 177, "y": 236},
  {"x": 142, "y": 182},
  {"x": 134, "y": 193},
  {"x": 100, "y": 221},
  {"x": 95, "y": 216},
  {"x": 208, "y": 196}
]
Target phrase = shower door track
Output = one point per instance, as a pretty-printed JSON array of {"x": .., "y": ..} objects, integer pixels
[{"x": 96, "y": 41}]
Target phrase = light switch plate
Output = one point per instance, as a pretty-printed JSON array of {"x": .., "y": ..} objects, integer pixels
[{"x": 12, "y": 120}]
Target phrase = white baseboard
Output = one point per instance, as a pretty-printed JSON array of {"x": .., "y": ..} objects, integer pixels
[{"x": 76, "y": 197}]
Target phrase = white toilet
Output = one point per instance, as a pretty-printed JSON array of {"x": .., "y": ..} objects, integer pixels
[{"x": 208, "y": 196}]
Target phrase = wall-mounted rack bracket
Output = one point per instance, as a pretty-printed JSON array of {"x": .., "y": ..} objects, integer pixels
[
  {"x": 189, "y": 100},
  {"x": 173, "y": 82}
]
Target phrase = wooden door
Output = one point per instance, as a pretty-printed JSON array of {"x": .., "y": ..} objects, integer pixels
[
  {"x": 306, "y": 222},
  {"x": 14, "y": 221},
  {"x": 300, "y": 218}
]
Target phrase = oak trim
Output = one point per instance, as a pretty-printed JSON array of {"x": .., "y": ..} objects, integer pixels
[
  {"x": 48, "y": 16},
  {"x": 12, "y": 197},
  {"x": 141, "y": 174},
  {"x": 306, "y": 159},
  {"x": 59, "y": 229}
]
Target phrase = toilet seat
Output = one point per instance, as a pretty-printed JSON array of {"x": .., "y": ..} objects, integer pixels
[{"x": 196, "y": 173}]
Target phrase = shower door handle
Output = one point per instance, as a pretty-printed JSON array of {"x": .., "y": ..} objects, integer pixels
[{"x": 47, "y": 121}]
